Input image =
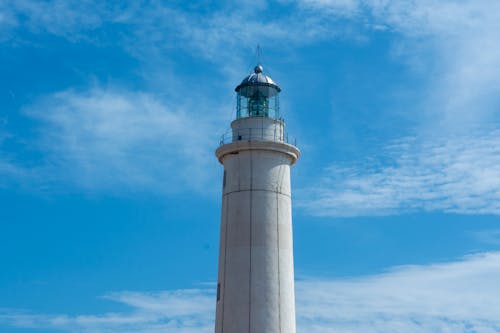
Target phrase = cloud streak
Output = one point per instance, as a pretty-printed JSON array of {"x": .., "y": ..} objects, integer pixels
[
  {"x": 461, "y": 88},
  {"x": 450, "y": 297},
  {"x": 458, "y": 296},
  {"x": 454, "y": 46},
  {"x": 453, "y": 164},
  {"x": 68, "y": 19},
  {"x": 110, "y": 139},
  {"x": 446, "y": 41},
  {"x": 182, "y": 311},
  {"x": 448, "y": 174}
]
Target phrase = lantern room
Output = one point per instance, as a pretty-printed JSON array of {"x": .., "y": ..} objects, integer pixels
[{"x": 257, "y": 96}]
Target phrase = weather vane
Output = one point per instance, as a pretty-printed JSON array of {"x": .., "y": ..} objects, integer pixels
[{"x": 259, "y": 53}]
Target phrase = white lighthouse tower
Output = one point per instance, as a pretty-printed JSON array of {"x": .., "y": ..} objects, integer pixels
[{"x": 255, "y": 290}]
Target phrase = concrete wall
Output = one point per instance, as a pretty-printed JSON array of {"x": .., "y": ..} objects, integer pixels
[
  {"x": 258, "y": 129},
  {"x": 256, "y": 277}
]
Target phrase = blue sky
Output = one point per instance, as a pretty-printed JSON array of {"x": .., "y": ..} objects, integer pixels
[{"x": 110, "y": 113}]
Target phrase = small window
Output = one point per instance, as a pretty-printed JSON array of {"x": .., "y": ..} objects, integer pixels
[
  {"x": 218, "y": 292},
  {"x": 224, "y": 179}
]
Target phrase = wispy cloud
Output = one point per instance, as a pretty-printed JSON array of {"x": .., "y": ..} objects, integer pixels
[
  {"x": 112, "y": 139},
  {"x": 454, "y": 46},
  {"x": 459, "y": 297},
  {"x": 347, "y": 8},
  {"x": 488, "y": 236},
  {"x": 58, "y": 17},
  {"x": 453, "y": 164},
  {"x": 11, "y": 172},
  {"x": 457, "y": 33},
  {"x": 222, "y": 34},
  {"x": 451, "y": 297},
  {"x": 444, "y": 39},
  {"x": 182, "y": 311},
  {"x": 459, "y": 61},
  {"x": 448, "y": 174}
]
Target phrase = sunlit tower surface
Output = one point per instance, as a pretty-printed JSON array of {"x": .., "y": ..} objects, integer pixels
[{"x": 255, "y": 290}]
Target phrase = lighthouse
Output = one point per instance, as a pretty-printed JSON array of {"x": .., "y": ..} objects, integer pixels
[{"x": 255, "y": 287}]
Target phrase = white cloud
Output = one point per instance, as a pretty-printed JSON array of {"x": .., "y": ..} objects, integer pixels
[
  {"x": 449, "y": 174},
  {"x": 58, "y": 17},
  {"x": 9, "y": 171},
  {"x": 459, "y": 31},
  {"x": 111, "y": 139},
  {"x": 228, "y": 35},
  {"x": 488, "y": 236},
  {"x": 459, "y": 297},
  {"x": 460, "y": 60},
  {"x": 451, "y": 297},
  {"x": 455, "y": 47},
  {"x": 454, "y": 44},
  {"x": 347, "y": 8},
  {"x": 223, "y": 34},
  {"x": 180, "y": 311}
]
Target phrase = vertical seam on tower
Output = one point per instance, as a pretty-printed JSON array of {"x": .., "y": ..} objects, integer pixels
[
  {"x": 239, "y": 172},
  {"x": 250, "y": 247},
  {"x": 282, "y": 173},
  {"x": 278, "y": 246},
  {"x": 281, "y": 176},
  {"x": 225, "y": 264}
]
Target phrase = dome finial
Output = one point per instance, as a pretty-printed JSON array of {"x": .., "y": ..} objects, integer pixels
[{"x": 258, "y": 69}]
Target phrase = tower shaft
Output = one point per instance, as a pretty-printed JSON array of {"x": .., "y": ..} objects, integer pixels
[{"x": 255, "y": 292}]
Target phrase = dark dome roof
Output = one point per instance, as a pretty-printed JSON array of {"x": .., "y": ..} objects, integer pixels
[{"x": 257, "y": 78}]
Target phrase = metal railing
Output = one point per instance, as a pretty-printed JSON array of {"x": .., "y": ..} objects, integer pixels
[{"x": 256, "y": 134}]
